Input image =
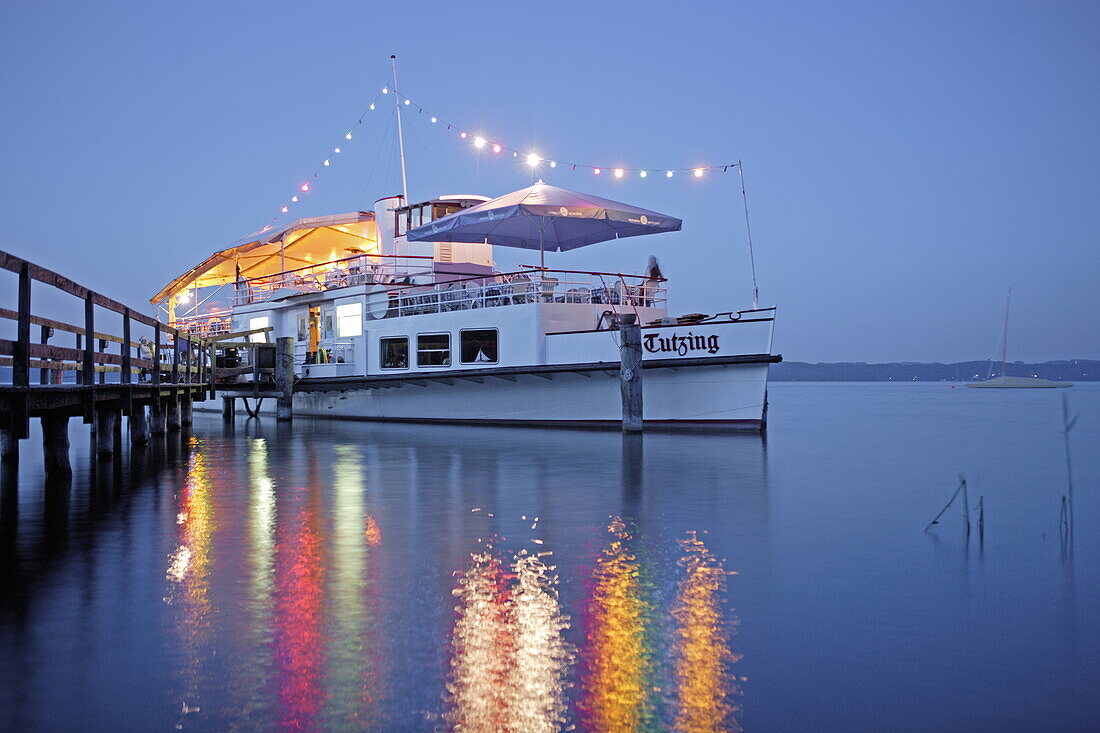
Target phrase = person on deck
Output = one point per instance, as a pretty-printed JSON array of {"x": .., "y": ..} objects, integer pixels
[{"x": 653, "y": 278}]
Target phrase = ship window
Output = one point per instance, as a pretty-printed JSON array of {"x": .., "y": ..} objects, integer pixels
[
  {"x": 433, "y": 349},
  {"x": 258, "y": 322},
  {"x": 349, "y": 320},
  {"x": 441, "y": 210},
  {"x": 303, "y": 327},
  {"x": 394, "y": 352},
  {"x": 479, "y": 347}
]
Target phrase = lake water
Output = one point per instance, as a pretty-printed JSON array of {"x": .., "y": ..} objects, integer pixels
[{"x": 342, "y": 575}]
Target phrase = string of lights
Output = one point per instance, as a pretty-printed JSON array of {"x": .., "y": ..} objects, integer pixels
[
  {"x": 330, "y": 157},
  {"x": 534, "y": 159}
]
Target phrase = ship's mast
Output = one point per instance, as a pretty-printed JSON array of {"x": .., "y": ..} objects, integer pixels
[
  {"x": 400, "y": 134},
  {"x": 1004, "y": 346}
]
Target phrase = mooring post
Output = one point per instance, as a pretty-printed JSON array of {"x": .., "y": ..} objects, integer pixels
[
  {"x": 55, "y": 447},
  {"x": 284, "y": 378},
  {"x": 139, "y": 426},
  {"x": 105, "y": 418},
  {"x": 228, "y": 408},
  {"x": 156, "y": 417},
  {"x": 173, "y": 413},
  {"x": 186, "y": 414},
  {"x": 630, "y": 371}
]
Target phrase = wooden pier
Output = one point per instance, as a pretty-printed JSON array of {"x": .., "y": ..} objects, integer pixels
[{"x": 161, "y": 371}]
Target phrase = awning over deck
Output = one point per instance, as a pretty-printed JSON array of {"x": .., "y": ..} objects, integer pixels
[{"x": 266, "y": 252}]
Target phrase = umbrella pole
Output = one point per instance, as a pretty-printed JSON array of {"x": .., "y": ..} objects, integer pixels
[{"x": 542, "y": 252}]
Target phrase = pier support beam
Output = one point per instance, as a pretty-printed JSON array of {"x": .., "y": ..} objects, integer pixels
[
  {"x": 105, "y": 435},
  {"x": 173, "y": 414},
  {"x": 156, "y": 418},
  {"x": 9, "y": 447},
  {"x": 284, "y": 378},
  {"x": 186, "y": 414},
  {"x": 55, "y": 447},
  {"x": 630, "y": 371},
  {"x": 228, "y": 408},
  {"x": 139, "y": 426}
]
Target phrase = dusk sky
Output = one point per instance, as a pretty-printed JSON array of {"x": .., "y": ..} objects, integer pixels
[{"x": 906, "y": 162}]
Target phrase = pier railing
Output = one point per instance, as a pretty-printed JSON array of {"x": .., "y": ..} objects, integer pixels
[{"x": 160, "y": 364}]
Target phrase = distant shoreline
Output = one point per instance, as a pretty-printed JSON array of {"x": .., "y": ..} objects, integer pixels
[{"x": 1071, "y": 370}]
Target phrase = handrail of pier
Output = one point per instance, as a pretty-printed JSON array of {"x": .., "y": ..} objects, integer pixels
[{"x": 180, "y": 364}]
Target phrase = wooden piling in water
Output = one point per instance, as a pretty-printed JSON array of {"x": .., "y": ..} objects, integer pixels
[
  {"x": 55, "y": 446},
  {"x": 105, "y": 418},
  {"x": 9, "y": 446},
  {"x": 139, "y": 426},
  {"x": 186, "y": 412},
  {"x": 630, "y": 371},
  {"x": 157, "y": 424},
  {"x": 172, "y": 413},
  {"x": 228, "y": 408},
  {"x": 284, "y": 379}
]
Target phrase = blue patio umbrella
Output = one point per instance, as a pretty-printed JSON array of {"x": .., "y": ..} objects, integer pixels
[{"x": 545, "y": 217}]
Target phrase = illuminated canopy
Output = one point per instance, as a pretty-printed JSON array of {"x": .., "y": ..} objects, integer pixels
[{"x": 298, "y": 244}]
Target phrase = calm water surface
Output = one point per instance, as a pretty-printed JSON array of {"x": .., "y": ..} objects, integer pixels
[{"x": 340, "y": 575}]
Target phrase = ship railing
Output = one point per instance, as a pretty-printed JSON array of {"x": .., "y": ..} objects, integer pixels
[
  {"x": 358, "y": 270},
  {"x": 517, "y": 288},
  {"x": 205, "y": 325}
]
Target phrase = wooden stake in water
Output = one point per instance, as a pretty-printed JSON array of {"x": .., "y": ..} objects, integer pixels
[
  {"x": 1067, "y": 505},
  {"x": 966, "y": 508}
]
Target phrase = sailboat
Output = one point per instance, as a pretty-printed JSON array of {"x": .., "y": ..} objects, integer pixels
[{"x": 1006, "y": 382}]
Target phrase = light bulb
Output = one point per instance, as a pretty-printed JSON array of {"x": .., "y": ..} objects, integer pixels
[
  {"x": 596, "y": 171},
  {"x": 305, "y": 186},
  {"x": 698, "y": 172},
  {"x": 348, "y": 136},
  {"x": 618, "y": 172},
  {"x": 284, "y": 209},
  {"x": 406, "y": 103},
  {"x": 372, "y": 105},
  {"x": 642, "y": 174},
  {"x": 294, "y": 199},
  {"x": 496, "y": 148},
  {"x": 326, "y": 161},
  {"x": 553, "y": 164},
  {"x": 462, "y": 135},
  {"x": 533, "y": 159},
  {"x": 385, "y": 90},
  {"x": 479, "y": 142},
  {"x": 668, "y": 174},
  {"x": 433, "y": 119},
  {"x": 336, "y": 150}
]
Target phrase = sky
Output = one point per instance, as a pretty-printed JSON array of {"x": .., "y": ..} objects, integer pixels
[{"x": 905, "y": 163}]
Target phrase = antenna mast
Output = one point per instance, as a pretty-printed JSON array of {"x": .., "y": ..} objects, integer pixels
[
  {"x": 752, "y": 259},
  {"x": 400, "y": 135},
  {"x": 1004, "y": 346}
]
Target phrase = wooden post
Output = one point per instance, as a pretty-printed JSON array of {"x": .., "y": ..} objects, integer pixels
[
  {"x": 139, "y": 425},
  {"x": 55, "y": 447},
  {"x": 630, "y": 371},
  {"x": 21, "y": 363},
  {"x": 105, "y": 418},
  {"x": 9, "y": 447},
  {"x": 156, "y": 417},
  {"x": 228, "y": 407},
  {"x": 213, "y": 367},
  {"x": 43, "y": 373},
  {"x": 186, "y": 414},
  {"x": 176, "y": 357},
  {"x": 156, "y": 353},
  {"x": 284, "y": 378},
  {"x": 103, "y": 350},
  {"x": 88, "y": 367},
  {"x": 127, "y": 348},
  {"x": 173, "y": 413}
]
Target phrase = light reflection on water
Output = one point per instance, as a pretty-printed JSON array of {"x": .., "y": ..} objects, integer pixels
[{"x": 348, "y": 576}]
